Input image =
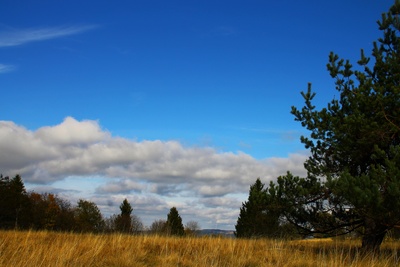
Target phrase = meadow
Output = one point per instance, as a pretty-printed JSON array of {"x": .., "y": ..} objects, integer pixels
[{"x": 30, "y": 248}]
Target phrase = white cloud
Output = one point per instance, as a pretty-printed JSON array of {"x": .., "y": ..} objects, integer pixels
[
  {"x": 157, "y": 173},
  {"x": 6, "y": 68},
  {"x": 20, "y": 148},
  {"x": 72, "y": 133},
  {"x": 17, "y": 37}
]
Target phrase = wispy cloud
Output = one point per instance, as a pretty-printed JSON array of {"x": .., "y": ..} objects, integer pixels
[
  {"x": 17, "y": 37},
  {"x": 6, "y": 68}
]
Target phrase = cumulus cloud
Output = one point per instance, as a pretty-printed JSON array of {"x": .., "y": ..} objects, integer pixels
[
  {"x": 158, "y": 173},
  {"x": 72, "y": 133},
  {"x": 15, "y": 37},
  {"x": 83, "y": 148}
]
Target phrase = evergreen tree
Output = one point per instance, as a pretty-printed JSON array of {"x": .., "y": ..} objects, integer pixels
[
  {"x": 14, "y": 203},
  {"x": 353, "y": 179},
  {"x": 256, "y": 219},
  {"x": 88, "y": 217},
  {"x": 123, "y": 221},
  {"x": 174, "y": 223}
]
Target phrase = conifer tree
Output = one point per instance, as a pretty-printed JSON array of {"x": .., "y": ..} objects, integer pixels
[
  {"x": 88, "y": 217},
  {"x": 255, "y": 218},
  {"x": 174, "y": 223},
  {"x": 14, "y": 203},
  {"x": 353, "y": 179},
  {"x": 123, "y": 221}
]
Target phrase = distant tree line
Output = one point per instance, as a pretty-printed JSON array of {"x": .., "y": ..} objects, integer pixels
[{"x": 20, "y": 209}]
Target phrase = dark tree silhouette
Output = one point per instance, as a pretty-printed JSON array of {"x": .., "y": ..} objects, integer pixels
[
  {"x": 123, "y": 222},
  {"x": 174, "y": 223},
  {"x": 88, "y": 217},
  {"x": 14, "y": 203},
  {"x": 258, "y": 215}
]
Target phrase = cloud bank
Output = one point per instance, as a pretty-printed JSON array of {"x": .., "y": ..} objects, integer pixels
[{"x": 150, "y": 171}]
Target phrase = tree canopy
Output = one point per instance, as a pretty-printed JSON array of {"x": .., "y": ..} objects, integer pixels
[
  {"x": 123, "y": 222},
  {"x": 353, "y": 173},
  {"x": 174, "y": 223},
  {"x": 88, "y": 216},
  {"x": 260, "y": 216},
  {"x": 14, "y": 203},
  {"x": 253, "y": 217},
  {"x": 30, "y": 210}
]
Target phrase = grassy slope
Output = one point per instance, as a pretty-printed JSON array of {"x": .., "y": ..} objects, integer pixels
[{"x": 19, "y": 248}]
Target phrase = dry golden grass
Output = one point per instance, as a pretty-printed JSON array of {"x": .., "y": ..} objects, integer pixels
[{"x": 19, "y": 248}]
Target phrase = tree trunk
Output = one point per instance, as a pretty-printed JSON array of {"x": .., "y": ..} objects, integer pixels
[{"x": 373, "y": 236}]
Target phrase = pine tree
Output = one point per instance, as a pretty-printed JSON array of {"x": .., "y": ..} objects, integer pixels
[
  {"x": 353, "y": 179},
  {"x": 123, "y": 221},
  {"x": 174, "y": 223},
  {"x": 14, "y": 203},
  {"x": 255, "y": 218}
]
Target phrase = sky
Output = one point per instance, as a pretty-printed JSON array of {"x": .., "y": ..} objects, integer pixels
[{"x": 166, "y": 103}]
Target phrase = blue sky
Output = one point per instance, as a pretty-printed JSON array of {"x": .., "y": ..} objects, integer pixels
[{"x": 166, "y": 103}]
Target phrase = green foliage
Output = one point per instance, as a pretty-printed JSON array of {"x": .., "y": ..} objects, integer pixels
[
  {"x": 354, "y": 169},
  {"x": 252, "y": 220},
  {"x": 22, "y": 210},
  {"x": 260, "y": 215},
  {"x": 88, "y": 217},
  {"x": 126, "y": 208},
  {"x": 174, "y": 223},
  {"x": 123, "y": 222},
  {"x": 14, "y": 208}
]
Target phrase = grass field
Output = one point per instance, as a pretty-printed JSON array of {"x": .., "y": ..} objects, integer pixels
[{"x": 19, "y": 248}]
